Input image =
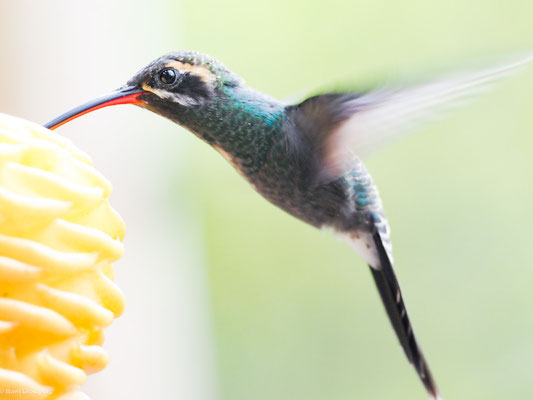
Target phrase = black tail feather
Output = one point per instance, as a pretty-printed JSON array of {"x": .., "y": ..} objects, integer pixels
[{"x": 391, "y": 295}]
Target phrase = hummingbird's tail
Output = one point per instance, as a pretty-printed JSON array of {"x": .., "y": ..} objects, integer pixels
[{"x": 391, "y": 295}]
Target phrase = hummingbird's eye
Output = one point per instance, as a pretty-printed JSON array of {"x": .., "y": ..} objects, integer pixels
[{"x": 168, "y": 76}]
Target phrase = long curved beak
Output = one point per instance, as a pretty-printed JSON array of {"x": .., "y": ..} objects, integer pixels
[{"x": 125, "y": 95}]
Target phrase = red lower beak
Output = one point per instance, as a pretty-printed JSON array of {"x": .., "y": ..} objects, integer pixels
[{"x": 127, "y": 95}]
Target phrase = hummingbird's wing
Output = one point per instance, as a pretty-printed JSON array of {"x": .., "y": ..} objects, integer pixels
[{"x": 361, "y": 122}]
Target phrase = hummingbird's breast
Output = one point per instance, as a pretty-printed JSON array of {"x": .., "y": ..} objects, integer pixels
[{"x": 288, "y": 179}]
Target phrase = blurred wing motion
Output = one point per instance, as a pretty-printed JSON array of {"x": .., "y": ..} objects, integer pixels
[
  {"x": 335, "y": 126},
  {"x": 359, "y": 123}
]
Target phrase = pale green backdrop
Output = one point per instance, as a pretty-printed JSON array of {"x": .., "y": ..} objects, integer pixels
[{"x": 295, "y": 312}]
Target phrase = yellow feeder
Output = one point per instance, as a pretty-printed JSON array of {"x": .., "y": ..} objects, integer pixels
[{"x": 58, "y": 239}]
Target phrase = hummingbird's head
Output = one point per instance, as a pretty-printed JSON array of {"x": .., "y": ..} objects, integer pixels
[
  {"x": 167, "y": 85},
  {"x": 186, "y": 78}
]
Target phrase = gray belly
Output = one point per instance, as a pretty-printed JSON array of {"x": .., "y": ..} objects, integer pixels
[{"x": 345, "y": 204}]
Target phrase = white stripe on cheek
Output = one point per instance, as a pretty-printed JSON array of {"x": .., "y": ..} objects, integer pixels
[{"x": 181, "y": 99}]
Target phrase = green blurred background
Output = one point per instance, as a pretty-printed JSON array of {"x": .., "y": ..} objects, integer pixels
[
  {"x": 292, "y": 313},
  {"x": 295, "y": 312}
]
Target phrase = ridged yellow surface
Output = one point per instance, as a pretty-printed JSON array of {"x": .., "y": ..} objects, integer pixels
[{"x": 58, "y": 240}]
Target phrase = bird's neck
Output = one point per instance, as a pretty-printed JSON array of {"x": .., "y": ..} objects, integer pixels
[{"x": 242, "y": 124}]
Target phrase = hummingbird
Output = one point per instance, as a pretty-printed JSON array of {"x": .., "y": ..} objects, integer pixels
[{"x": 305, "y": 158}]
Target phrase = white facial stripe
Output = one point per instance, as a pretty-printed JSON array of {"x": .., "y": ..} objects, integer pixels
[
  {"x": 199, "y": 70},
  {"x": 181, "y": 99}
]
